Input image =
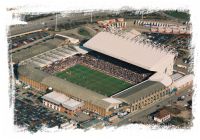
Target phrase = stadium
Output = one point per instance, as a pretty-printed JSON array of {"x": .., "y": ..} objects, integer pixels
[{"x": 109, "y": 73}]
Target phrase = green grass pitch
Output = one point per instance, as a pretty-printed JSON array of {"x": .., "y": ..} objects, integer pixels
[{"x": 93, "y": 80}]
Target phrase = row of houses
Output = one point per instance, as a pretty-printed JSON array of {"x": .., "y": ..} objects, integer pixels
[
  {"x": 119, "y": 23},
  {"x": 161, "y": 27}
]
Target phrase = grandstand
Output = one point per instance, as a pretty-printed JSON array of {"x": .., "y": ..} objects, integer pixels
[
  {"x": 36, "y": 49},
  {"x": 104, "y": 64},
  {"x": 111, "y": 73},
  {"x": 50, "y": 56},
  {"x": 133, "y": 51}
]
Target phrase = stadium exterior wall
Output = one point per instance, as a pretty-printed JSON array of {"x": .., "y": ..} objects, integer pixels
[
  {"x": 97, "y": 109},
  {"x": 33, "y": 83},
  {"x": 150, "y": 99},
  {"x": 59, "y": 108}
]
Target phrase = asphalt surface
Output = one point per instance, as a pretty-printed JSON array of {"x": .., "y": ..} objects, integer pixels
[{"x": 50, "y": 21}]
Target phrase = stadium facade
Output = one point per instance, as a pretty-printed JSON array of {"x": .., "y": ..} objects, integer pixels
[{"x": 130, "y": 50}]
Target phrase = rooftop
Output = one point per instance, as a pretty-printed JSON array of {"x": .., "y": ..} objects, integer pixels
[
  {"x": 59, "y": 98},
  {"x": 183, "y": 80},
  {"x": 130, "y": 50},
  {"x": 55, "y": 97},
  {"x": 140, "y": 90},
  {"x": 72, "y": 104},
  {"x": 162, "y": 114},
  {"x": 176, "y": 76}
]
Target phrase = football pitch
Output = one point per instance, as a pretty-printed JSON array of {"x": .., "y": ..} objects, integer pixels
[{"x": 93, "y": 80}]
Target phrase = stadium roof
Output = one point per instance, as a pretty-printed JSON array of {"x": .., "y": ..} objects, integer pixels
[
  {"x": 63, "y": 86},
  {"x": 130, "y": 50},
  {"x": 176, "y": 76},
  {"x": 32, "y": 73},
  {"x": 162, "y": 78},
  {"x": 183, "y": 80},
  {"x": 141, "y": 90},
  {"x": 112, "y": 100}
]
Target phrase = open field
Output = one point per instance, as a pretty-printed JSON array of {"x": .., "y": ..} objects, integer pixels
[{"x": 93, "y": 80}]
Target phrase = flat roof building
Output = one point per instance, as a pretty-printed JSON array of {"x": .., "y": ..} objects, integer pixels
[{"x": 61, "y": 99}]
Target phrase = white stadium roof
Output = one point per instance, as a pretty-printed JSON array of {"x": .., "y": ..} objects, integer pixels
[
  {"x": 129, "y": 50},
  {"x": 162, "y": 78},
  {"x": 183, "y": 80}
]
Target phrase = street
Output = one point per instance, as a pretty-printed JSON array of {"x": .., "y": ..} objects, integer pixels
[{"x": 38, "y": 24}]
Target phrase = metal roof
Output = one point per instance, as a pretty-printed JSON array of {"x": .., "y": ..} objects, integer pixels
[
  {"x": 72, "y": 104},
  {"x": 131, "y": 50},
  {"x": 183, "y": 80},
  {"x": 32, "y": 73},
  {"x": 140, "y": 90},
  {"x": 55, "y": 97},
  {"x": 176, "y": 76},
  {"x": 162, "y": 78}
]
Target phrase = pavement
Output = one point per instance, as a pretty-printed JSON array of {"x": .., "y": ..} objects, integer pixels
[{"x": 30, "y": 44}]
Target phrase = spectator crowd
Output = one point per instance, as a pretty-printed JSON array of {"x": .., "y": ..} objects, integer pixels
[{"x": 113, "y": 69}]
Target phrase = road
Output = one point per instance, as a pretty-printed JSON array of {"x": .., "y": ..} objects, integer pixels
[
  {"x": 50, "y": 21},
  {"x": 139, "y": 114},
  {"x": 170, "y": 17}
]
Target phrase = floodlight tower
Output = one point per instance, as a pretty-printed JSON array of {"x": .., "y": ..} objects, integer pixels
[
  {"x": 91, "y": 18},
  {"x": 56, "y": 26}
]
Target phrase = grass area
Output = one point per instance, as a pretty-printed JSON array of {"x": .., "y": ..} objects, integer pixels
[
  {"x": 93, "y": 80},
  {"x": 179, "y": 14},
  {"x": 83, "y": 32}
]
